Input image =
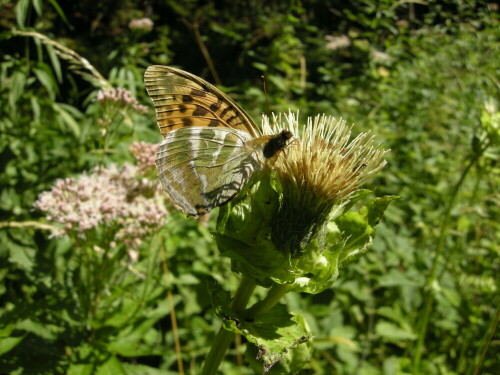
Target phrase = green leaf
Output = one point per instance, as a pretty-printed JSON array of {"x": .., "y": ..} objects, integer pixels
[
  {"x": 111, "y": 367},
  {"x": 47, "y": 80},
  {"x": 274, "y": 333},
  {"x": 47, "y": 331},
  {"x": 392, "y": 333},
  {"x": 60, "y": 12},
  {"x": 377, "y": 208},
  {"x": 354, "y": 198},
  {"x": 296, "y": 360},
  {"x": 80, "y": 369},
  {"x": 22, "y": 256},
  {"x": 35, "y": 107},
  {"x": 17, "y": 87},
  {"x": 83, "y": 361},
  {"x": 397, "y": 278},
  {"x": 396, "y": 315},
  {"x": 9, "y": 343},
  {"x": 265, "y": 262},
  {"x": 220, "y": 300},
  {"x": 247, "y": 218},
  {"x": 137, "y": 339},
  {"x": 452, "y": 295},
  {"x": 37, "y": 4},
  {"x": 67, "y": 118},
  {"x": 21, "y": 11},
  {"x": 260, "y": 66},
  {"x": 54, "y": 59},
  {"x": 355, "y": 229},
  {"x": 356, "y": 235}
]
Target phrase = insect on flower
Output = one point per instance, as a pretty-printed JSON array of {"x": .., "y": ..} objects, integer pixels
[{"x": 211, "y": 147}]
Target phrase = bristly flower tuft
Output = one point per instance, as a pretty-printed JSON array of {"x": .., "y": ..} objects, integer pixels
[{"x": 318, "y": 172}]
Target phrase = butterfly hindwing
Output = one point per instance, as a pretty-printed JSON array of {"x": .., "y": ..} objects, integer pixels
[
  {"x": 183, "y": 100},
  {"x": 202, "y": 168}
]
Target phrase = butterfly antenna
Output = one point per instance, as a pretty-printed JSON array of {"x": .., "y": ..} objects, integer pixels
[{"x": 263, "y": 79}]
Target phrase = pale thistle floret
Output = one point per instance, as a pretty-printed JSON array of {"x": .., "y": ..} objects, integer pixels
[{"x": 323, "y": 159}]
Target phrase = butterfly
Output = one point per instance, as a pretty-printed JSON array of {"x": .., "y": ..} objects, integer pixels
[{"x": 211, "y": 147}]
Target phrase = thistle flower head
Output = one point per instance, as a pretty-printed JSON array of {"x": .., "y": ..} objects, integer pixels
[
  {"x": 293, "y": 227},
  {"x": 325, "y": 160},
  {"x": 318, "y": 172}
]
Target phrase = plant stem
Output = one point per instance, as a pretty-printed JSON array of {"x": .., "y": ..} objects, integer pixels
[
  {"x": 486, "y": 345},
  {"x": 273, "y": 297},
  {"x": 173, "y": 317},
  {"x": 195, "y": 27},
  {"x": 224, "y": 338},
  {"x": 428, "y": 296},
  {"x": 217, "y": 351},
  {"x": 243, "y": 294}
]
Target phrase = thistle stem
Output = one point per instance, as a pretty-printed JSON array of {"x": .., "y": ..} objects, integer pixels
[
  {"x": 224, "y": 338},
  {"x": 275, "y": 294}
]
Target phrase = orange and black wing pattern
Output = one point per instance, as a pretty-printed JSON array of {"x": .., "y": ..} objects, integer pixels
[{"x": 183, "y": 100}]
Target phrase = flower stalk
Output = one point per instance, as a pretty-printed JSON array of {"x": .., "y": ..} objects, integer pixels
[
  {"x": 292, "y": 230},
  {"x": 224, "y": 337},
  {"x": 275, "y": 294}
]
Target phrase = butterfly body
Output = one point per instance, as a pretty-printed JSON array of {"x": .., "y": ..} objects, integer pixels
[{"x": 211, "y": 147}]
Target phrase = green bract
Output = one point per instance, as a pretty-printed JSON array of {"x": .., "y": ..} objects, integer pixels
[{"x": 244, "y": 234}]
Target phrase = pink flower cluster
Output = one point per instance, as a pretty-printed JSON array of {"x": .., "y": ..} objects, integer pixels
[
  {"x": 145, "y": 154},
  {"x": 120, "y": 96},
  {"x": 111, "y": 197},
  {"x": 145, "y": 24}
]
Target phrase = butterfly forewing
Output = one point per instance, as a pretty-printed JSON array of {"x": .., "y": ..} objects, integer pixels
[
  {"x": 202, "y": 168},
  {"x": 211, "y": 147},
  {"x": 184, "y": 100}
]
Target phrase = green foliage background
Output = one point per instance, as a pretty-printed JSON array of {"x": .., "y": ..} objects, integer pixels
[{"x": 417, "y": 74}]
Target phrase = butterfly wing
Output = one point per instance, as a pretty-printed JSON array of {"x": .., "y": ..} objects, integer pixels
[
  {"x": 202, "y": 168},
  {"x": 183, "y": 100}
]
